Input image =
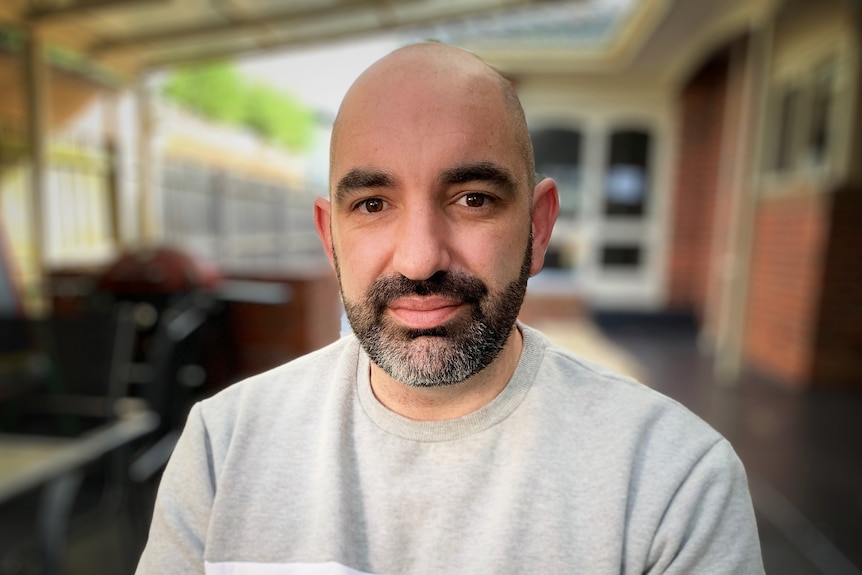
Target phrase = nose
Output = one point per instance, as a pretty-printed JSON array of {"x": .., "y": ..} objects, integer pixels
[{"x": 421, "y": 246}]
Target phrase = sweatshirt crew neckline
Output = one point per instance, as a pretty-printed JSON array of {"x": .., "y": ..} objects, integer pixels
[{"x": 498, "y": 409}]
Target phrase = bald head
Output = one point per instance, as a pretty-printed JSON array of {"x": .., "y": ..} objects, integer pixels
[{"x": 437, "y": 79}]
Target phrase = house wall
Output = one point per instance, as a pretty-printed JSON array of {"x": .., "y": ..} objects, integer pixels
[
  {"x": 791, "y": 235},
  {"x": 804, "y": 309},
  {"x": 715, "y": 148},
  {"x": 695, "y": 187}
]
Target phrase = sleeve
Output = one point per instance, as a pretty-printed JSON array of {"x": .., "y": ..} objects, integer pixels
[
  {"x": 178, "y": 530},
  {"x": 709, "y": 526}
]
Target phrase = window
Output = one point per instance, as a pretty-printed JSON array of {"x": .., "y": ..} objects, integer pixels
[
  {"x": 788, "y": 121},
  {"x": 558, "y": 156},
  {"x": 627, "y": 177},
  {"x": 621, "y": 256},
  {"x": 803, "y": 121},
  {"x": 821, "y": 112}
]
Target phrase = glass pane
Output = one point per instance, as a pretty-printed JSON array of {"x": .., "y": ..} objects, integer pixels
[
  {"x": 627, "y": 178},
  {"x": 621, "y": 256},
  {"x": 787, "y": 118},
  {"x": 558, "y": 156},
  {"x": 821, "y": 112}
]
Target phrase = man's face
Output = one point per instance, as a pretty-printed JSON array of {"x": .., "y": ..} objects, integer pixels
[{"x": 430, "y": 227}]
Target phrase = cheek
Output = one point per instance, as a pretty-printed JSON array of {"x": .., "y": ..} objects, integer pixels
[
  {"x": 359, "y": 264},
  {"x": 497, "y": 257}
]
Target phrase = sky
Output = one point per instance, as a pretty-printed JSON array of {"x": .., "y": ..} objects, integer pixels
[{"x": 320, "y": 77}]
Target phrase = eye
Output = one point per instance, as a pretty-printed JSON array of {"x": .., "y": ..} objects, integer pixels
[
  {"x": 474, "y": 200},
  {"x": 371, "y": 205}
]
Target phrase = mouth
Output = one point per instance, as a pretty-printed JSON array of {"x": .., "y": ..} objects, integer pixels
[{"x": 425, "y": 312}]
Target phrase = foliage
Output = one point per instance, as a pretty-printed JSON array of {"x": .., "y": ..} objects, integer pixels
[
  {"x": 219, "y": 92},
  {"x": 278, "y": 115},
  {"x": 214, "y": 91}
]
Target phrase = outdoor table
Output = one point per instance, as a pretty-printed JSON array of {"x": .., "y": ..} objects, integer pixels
[{"x": 56, "y": 465}]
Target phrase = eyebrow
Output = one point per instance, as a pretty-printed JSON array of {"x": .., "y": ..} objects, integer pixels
[
  {"x": 361, "y": 179},
  {"x": 480, "y": 172}
]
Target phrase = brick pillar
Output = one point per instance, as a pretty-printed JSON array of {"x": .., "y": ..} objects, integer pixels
[{"x": 702, "y": 105}]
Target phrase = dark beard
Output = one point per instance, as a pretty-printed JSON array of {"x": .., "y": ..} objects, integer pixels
[{"x": 447, "y": 354}]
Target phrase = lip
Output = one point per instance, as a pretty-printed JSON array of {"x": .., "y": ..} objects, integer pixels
[{"x": 425, "y": 312}]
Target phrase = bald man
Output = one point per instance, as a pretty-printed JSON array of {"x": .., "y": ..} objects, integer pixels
[{"x": 443, "y": 436}]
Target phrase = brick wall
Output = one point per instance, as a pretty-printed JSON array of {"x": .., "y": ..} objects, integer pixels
[
  {"x": 790, "y": 244},
  {"x": 838, "y": 347},
  {"x": 702, "y": 104}
]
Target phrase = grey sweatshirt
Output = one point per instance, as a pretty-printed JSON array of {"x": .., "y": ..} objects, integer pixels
[{"x": 571, "y": 469}]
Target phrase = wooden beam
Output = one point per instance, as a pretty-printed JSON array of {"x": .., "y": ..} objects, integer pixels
[
  {"x": 148, "y": 208},
  {"x": 235, "y": 27},
  {"x": 299, "y": 38},
  {"x": 81, "y": 9},
  {"x": 35, "y": 81}
]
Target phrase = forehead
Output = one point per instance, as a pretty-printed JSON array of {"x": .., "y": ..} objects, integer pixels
[{"x": 419, "y": 116}]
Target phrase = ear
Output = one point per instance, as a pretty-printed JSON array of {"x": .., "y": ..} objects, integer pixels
[
  {"x": 323, "y": 223},
  {"x": 546, "y": 206}
]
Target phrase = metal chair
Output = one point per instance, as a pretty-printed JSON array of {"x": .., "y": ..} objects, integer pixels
[{"x": 80, "y": 422}]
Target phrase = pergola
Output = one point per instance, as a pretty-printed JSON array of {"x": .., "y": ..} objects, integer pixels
[{"x": 134, "y": 35}]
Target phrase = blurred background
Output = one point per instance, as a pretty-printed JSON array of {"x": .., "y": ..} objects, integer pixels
[{"x": 158, "y": 164}]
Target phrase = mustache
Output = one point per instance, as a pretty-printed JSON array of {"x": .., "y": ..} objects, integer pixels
[{"x": 458, "y": 286}]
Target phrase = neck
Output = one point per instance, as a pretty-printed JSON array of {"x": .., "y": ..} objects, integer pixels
[{"x": 449, "y": 401}]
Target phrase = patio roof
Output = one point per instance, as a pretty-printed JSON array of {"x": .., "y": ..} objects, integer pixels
[
  {"x": 657, "y": 39},
  {"x": 130, "y": 36}
]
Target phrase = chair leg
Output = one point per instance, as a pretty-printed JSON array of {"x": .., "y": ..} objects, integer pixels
[{"x": 55, "y": 510}]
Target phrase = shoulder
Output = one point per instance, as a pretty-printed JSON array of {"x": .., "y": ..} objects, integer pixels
[
  {"x": 295, "y": 386},
  {"x": 609, "y": 423},
  {"x": 612, "y": 405}
]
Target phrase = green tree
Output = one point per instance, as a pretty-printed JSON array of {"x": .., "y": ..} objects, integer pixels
[
  {"x": 220, "y": 93},
  {"x": 279, "y": 116},
  {"x": 213, "y": 90}
]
